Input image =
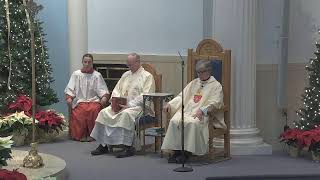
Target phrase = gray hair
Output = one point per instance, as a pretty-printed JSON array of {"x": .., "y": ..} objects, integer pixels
[
  {"x": 204, "y": 64},
  {"x": 137, "y": 56}
]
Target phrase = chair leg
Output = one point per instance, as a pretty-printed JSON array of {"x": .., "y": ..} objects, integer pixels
[
  {"x": 226, "y": 145},
  {"x": 69, "y": 121}
]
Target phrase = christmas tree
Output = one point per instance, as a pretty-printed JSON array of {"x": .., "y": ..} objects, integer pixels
[
  {"x": 310, "y": 114},
  {"x": 15, "y": 54}
]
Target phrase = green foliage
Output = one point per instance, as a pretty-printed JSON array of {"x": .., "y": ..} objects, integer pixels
[
  {"x": 15, "y": 122},
  {"x": 5, "y": 149},
  {"x": 4, "y": 155},
  {"x": 19, "y": 67},
  {"x": 310, "y": 113}
]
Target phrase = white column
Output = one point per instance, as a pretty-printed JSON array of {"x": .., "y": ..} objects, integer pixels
[
  {"x": 78, "y": 32},
  {"x": 237, "y": 31}
]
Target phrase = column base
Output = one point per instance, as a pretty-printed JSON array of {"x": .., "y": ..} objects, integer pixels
[
  {"x": 246, "y": 142},
  {"x": 259, "y": 149}
]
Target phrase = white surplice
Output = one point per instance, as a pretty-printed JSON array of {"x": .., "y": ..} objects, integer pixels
[
  {"x": 86, "y": 87},
  {"x": 197, "y": 95},
  {"x": 118, "y": 128}
]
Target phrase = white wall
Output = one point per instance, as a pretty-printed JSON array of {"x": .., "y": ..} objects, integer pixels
[
  {"x": 146, "y": 26},
  {"x": 269, "y": 26},
  {"x": 304, "y": 22}
]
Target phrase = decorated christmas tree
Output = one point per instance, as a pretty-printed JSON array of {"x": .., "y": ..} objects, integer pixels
[
  {"x": 15, "y": 54},
  {"x": 310, "y": 113}
]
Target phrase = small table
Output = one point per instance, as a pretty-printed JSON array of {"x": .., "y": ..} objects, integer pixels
[{"x": 155, "y": 97}]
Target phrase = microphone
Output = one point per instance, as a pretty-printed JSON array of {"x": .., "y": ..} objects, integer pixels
[
  {"x": 182, "y": 60},
  {"x": 183, "y": 168}
]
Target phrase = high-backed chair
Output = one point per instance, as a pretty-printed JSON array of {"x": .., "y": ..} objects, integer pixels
[
  {"x": 157, "y": 77},
  {"x": 158, "y": 83},
  {"x": 148, "y": 121},
  {"x": 211, "y": 50}
]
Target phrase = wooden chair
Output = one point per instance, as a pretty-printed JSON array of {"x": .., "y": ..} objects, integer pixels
[
  {"x": 152, "y": 122},
  {"x": 157, "y": 77},
  {"x": 211, "y": 50}
]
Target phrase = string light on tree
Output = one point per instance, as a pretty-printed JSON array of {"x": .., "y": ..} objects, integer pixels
[
  {"x": 310, "y": 113},
  {"x": 17, "y": 70}
]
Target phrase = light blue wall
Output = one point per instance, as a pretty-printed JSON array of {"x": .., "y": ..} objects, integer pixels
[
  {"x": 55, "y": 24},
  {"x": 147, "y": 27}
]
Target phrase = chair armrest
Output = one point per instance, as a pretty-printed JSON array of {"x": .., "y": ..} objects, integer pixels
[{"x": 212, "y": 110}]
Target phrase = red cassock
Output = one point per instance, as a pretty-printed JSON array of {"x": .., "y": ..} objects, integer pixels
[{"x": 83, "y": 118}]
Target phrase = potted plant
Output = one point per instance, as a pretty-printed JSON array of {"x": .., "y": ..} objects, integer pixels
[
  {"x": 292, "y": 137},
  {"x": 14, "y": 174},
  {"x": 5, "y": 150},
  {"x": 311, "y": 139},
  {"x": 50, "y": 124},
  {"x": 18, "y": 125}
]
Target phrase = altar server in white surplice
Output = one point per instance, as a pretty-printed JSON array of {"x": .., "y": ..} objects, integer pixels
[
  {"x": 87, "y": 94},
  {"x": 199, "y": 95},
  {"x": 118, "y": 128}
]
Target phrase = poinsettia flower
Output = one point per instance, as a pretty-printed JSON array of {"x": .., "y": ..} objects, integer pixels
[
  {"x": 310, "y": 136},
  {"x": 5, "y": 142},
  {"x": 10, "y": 119},
  {"x": 44, "y": 119},
  {"x": 291, "y": 134},
  {"x": 7, "y": 174},
  {"x": 50, "y": 118},
  {"x": 292, "y": 137},
  {"x": 23, "y": 103}
]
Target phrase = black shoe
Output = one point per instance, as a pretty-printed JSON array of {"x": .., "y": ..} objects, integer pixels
[
  {"x": 173, "y": 158},
  {"x": 100, "y": 150},
  {"x": 183, "y": 159},
  {"x": 126, "y": 153}
]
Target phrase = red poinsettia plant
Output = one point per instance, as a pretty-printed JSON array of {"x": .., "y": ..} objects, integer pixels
[
  {"x": 12, "y": 175},
  {"x": 311, "y": 139},
  {"x": 46, "y": 119},
  {"x": 49, "y": 120},
  {"x": 23, "y": 103},
  {"x": 292, "y": 137}
]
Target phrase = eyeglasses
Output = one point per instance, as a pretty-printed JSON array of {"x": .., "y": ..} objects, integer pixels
[{"x": 201, "y": 72}]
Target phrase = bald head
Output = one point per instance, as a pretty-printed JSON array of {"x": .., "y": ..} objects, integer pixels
[{"x": 133, "y": 62}]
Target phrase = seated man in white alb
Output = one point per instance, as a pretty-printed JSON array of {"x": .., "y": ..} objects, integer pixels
[
  {"x": 118, "y": 128},
  {"x": 199, "y": 95}
]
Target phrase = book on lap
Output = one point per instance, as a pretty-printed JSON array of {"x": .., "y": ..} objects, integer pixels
[{"x": 116, "y": 102}]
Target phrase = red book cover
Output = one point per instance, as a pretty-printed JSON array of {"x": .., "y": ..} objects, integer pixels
[{"x": 115, "y": 101}]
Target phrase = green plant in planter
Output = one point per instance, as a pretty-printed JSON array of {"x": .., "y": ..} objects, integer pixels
[
  {"x": 315, "y": 148},
  {"x": 311, "y": 139},
  {"x": 17, "y": 124},
  {"x": 5, "y": 149}
]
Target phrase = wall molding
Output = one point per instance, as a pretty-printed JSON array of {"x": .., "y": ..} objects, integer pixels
[
  {"x": 144, "y": 58},
  {"x": 274, "y": 67}
]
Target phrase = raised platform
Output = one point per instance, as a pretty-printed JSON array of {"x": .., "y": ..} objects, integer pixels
[
  {"x": 83, "y": 166},
  {"x": 53, "y": 166}
]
